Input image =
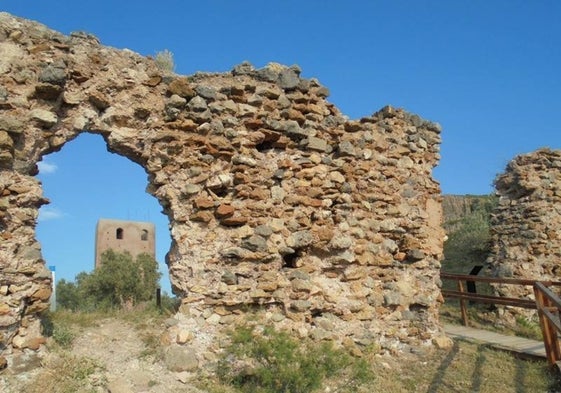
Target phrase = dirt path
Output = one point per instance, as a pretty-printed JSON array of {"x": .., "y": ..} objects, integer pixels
[
  {"x": 129, "y": 365},
  {"x": 125, "y": 359}
]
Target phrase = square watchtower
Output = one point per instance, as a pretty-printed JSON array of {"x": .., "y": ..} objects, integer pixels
[{"x": 135, "y": 237}]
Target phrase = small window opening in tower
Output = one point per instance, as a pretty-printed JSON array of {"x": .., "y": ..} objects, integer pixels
[
  {"x": 119, "y": 233},
  {"x": 144, "y": 235}
]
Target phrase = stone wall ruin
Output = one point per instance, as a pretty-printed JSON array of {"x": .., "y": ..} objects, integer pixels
[
  {"x": 526, "y": 225},
  {"x": 276, "y": 201}
]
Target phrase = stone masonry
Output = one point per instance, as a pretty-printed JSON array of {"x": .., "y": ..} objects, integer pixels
[
  {"x": 526, "y": 225},
  {"x": 277, "y": 203},
  {"x": 134, "y": 237}
]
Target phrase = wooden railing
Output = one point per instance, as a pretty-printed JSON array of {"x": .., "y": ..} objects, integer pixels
[{"x": 547, "y": 303}]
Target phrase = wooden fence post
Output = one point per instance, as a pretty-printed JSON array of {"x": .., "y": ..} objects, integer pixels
[
  {"x": 463, "y": 307},
  {"x": 549, "y": 331}
]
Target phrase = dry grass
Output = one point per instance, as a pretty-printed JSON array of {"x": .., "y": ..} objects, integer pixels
[
  {"x": 484, "y": 317},
  {"x": 65, "y": 373},
  {"x": 466, "y": 367}
]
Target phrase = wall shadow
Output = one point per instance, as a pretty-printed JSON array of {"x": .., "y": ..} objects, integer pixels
[{"x": 438, "y": 379}]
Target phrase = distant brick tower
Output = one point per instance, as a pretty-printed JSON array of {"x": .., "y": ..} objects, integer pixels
[{"x": 136, "y": 237}]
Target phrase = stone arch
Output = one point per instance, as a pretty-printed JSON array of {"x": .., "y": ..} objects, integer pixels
[{"x": 253, "y": 167}]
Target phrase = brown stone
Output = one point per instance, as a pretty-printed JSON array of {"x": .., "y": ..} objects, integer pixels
[
  {"x": 223, "y": 211},
  {"x": 365, "y": 258},
  {"x": 240, "y": 178},
  {"x": 383, "y": 259},
  {"x": 254, "y": 124},
  {"x": 5, "y": 141},
  {"x": 204, "y": 203},
  {"x": 182, "y": 88},
  {"x": 354, "y": 273},
  {"x": 4, "y": 308},
  {"x": 47, "y": 91},
  {"x": 40, "y": 48},
  {"x": 312, "y": 202},
  {"x": 42, "y": 294},
  {"x": 443, "y": 342},
  {"x": 202, "y": 216},
  {"x": 153, "y": 81},
  {"x": 353, "y": 126},
  {"x": 324, "y": 233},
  {"x": 34, "y": 343},
  {"x": 183, "y": 125},
  {"x": 268, "y": 286},
  {"x": 99, "y": 100},
  {"x": 260, "y": 194},
  {"x": 234, "y": 221},
  {"x": 20, "y": 188}
]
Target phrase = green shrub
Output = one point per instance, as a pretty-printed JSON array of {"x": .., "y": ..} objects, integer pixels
[
  {"x": 58, "y": 329},
  {"x": 119, "y": 281},
  {"x": 67, "y": 373},
  {"x": 528, "y": 327},
  {"x": 275, "y": 362},
  {"x": 63, "y": 336},
  {"x": 469, "y": 239}
]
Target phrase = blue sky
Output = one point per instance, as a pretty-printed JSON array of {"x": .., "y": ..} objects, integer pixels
[{"x": 487, "y": 71}]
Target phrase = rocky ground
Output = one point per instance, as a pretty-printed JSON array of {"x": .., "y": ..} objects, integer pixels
[
  {"x": 112, "y": 356},
  {"x": 124, "y": 355}
]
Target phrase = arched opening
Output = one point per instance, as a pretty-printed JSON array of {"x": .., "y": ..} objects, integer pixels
[{"x": 84, "y": 184}]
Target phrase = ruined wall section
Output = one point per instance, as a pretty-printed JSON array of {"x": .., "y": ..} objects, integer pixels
[
  {"x": 275, "y": 199},
  {"x": 526, "y": 225}
]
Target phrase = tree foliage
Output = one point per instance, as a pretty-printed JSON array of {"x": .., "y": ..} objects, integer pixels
[
  {"x": 119, "y": 281},
  {"x": 468, "y": 242}
]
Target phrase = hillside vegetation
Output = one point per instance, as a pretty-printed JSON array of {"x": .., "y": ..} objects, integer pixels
[{"x": 466, "y": 221}]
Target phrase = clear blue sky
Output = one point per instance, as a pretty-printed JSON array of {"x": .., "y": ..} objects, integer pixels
[{"x": 489, "y": 71}]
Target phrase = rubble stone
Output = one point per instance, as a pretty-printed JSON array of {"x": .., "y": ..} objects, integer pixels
[
  {"x": 526, "y": 224},
  {"x": 276, "y": 200}
]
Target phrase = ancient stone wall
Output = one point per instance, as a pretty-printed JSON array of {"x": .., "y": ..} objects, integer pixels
[
  {"x": 526, "y": 225},
  {"x": 276, "y": 201}
]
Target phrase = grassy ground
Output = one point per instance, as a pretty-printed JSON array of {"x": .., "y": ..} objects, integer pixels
[
  {"x": 484, "y": 317},
  {"x": 466, "y": 367}
]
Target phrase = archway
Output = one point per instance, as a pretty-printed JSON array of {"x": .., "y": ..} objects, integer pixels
[{"x": 84, "y": 184}]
